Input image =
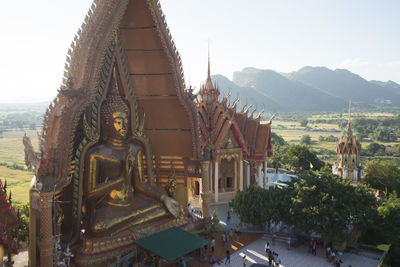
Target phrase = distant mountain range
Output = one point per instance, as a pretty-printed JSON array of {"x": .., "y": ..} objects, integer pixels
[{"x": 308, "y": 89}]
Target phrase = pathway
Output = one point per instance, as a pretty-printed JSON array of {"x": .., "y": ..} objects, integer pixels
[{"x": 294, "y": 257}]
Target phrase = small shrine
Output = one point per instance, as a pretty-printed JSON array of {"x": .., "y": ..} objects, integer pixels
[
  {"x": 348, "y": 150},
  {"x": 8, "y": 220}
]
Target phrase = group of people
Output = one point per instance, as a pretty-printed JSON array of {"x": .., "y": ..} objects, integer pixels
[
  {"x": 225, "y": 238},
  {"x": 273, "y": 257}
]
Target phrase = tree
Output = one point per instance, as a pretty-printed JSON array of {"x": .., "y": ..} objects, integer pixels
[
  {"x": 300, "y": 158},
  {"x": 257, "y": 206},
  {"x": 384, "y": 134},
  {"x": 327, "y": 205},
  {"x": 303, "y": 123},
  {"x": 374, "y": 149},
  {"x": 382, "y": 175},
  {"x": 306, "y": 139},
  {"x": 389, "y": 223},
  {"x": 22, "y": 229},
  {"x": 279, "y": 146},
  {"x": 277, "y": 140},
  {"x": 251, "y": 204}
]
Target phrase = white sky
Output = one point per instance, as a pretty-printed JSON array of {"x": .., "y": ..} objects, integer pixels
[{"x": 283, "y": 35}]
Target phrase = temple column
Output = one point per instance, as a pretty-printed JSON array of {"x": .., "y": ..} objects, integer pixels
[
  {"x": 205, "y": 186},
  {"x": 46, "y": 244},
  {"x": 216, "y": 176},
  {"x": 260, "y": 179},
  {"x": 247, "y": 174},
  {"x": 241, "y": 174},
  {"x": 235, "y": 174},
  {"x": 33, "y": 195},
  {"x": 211, "y": 181}
]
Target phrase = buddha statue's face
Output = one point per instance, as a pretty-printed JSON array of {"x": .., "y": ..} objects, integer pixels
[{"x": 119, "y": 121}]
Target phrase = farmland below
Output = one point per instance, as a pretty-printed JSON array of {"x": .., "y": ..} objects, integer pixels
[{"x": 323, "y": 130}]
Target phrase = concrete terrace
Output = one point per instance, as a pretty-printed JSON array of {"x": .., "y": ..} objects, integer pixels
[{"x": 295, "y": 257}]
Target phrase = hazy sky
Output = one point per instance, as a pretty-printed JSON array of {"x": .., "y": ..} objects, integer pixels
[{"x": 362, "y": 36}]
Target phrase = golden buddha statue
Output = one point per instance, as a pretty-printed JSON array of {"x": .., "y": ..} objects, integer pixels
[{"x": 115, "y": 194}]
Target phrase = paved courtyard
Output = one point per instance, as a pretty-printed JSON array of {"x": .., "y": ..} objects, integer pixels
[{"x": 295, "y": 257}]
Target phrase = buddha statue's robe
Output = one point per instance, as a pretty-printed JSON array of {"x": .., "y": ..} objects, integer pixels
[{"x": 116, "y": 198}]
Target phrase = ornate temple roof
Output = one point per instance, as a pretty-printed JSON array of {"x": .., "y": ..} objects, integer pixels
[
  {"x": 132, "y": 35},
  {"x": 348, "y": 144},
  {"x": 217, "y": 117},
  {"x": 8, "y": 220}
]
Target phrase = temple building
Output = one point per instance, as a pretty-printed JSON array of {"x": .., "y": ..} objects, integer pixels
[
  {"x": 237, "y": 143},
  {"x": 8, "y": 219},
  {"x": 348, "y": 150},
  {"x": 124, "y": 145}
]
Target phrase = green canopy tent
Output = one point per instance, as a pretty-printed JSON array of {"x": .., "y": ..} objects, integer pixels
[{"x": 172, "y": 243}]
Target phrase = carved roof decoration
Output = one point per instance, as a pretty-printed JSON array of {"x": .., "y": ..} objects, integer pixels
[
  {"x": 218, "y": 117},
  {"x": 83, "y": 71},
  {"x": 348, "y": 144}
]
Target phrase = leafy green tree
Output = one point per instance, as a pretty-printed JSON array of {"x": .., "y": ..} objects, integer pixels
[
  {"x": 384, "y": 134},
  {"x": 251, "y": 204},
  {"x": 300, "y": 158},
  {"x": 374, "y": 149},
  {"x": 389, "y": 223},
  {"x": 303, "y": 123},
  {"x": 383, "y": 175},
  {"x": 277, "y": 140},
  {"x": 327, "y": 205},
  {"x": 279, "y": 147},
  {"x": 22, "y": 229},
  {"x": 306, "y": 139}
]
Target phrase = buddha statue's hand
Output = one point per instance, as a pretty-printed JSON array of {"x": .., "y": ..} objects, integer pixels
[
  {"x": 130, "y": 163},
  {"x": 172, "y": 206}
]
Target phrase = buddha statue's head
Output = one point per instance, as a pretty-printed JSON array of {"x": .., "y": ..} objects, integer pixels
[{"x": 115, "y": 118}]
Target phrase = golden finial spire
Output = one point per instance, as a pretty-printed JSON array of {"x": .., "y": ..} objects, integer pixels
[
  {"x": 208, "y": 71},
  {"x": 349, "y": 110}
]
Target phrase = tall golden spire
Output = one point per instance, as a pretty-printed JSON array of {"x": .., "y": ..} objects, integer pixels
[
  {"x": 349, "y": 120},
  {"x": 209, "y": 84},
  {"x": 208, "y": 72}
]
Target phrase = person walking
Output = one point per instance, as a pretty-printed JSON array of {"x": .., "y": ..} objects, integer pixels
[
  {"x": 267, "y": 248},
  {"x": 328, "y": 253},
  {"x": 228, "y": 217},
  {"x": 228, "y": 257},
  {"x": 223, "y": 237},
  {"x": 289, "y": 242},
  {"x": 270, "y": 258},
  {"x": 212, "y": 244},
  {"x": 333, "y": 256},
  {"x": 244, "y": 261},
  {"x": 314, "y": 248},
  {"x": 277, "y": 260},
  {"x": 211, "y": 259}
]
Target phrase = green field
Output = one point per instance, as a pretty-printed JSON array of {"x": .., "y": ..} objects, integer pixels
[
  {"x": 292, "y": 131},
  {"x": 12, "y": 149},
  {"x": 18, "y": 182},
  {"x": 12, "y": 152}
]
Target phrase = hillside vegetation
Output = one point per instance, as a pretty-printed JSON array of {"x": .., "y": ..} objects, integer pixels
[{"x": 310, "y": 89}]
